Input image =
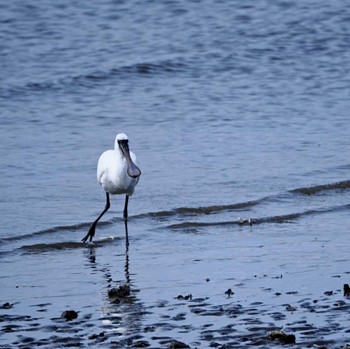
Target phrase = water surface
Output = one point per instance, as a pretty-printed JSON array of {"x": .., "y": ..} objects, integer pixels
[{"x": 238, "y": 114}]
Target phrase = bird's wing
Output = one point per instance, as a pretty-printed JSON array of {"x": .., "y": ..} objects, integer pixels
[{"x": 102, "y": 166}]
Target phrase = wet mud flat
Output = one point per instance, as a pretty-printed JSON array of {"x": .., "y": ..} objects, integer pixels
[
  {"x": 214, "y": 280},
  {"x": 268, "y": 319}
]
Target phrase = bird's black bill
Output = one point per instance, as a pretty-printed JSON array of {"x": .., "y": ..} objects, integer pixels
[{"x": 133, "y": 170}]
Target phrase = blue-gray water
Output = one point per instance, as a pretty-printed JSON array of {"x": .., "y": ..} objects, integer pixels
[{"x": 236, "y": 110}]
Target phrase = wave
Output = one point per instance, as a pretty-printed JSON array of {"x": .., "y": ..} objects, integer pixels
[
  {"x": 185, "y": 212},
  {"x": 287, "y": 218},
  {"x": 87, "y": 80},
  {"x": 51, "y": 246},
  {"x": 205, "y": 210},
  {"x": 57, "y": 229},
  {"x": 64, "y": 245},
  {"x": 343, "y": 185},
  {"x": 46, "y": 232},
  {"x": 134, "y": 70}
]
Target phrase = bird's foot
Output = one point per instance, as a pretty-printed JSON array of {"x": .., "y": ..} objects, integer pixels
[{"x": 90, "y": 234}]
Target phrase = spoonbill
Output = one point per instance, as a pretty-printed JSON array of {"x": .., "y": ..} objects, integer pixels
[{"x": 118, "y": 173}]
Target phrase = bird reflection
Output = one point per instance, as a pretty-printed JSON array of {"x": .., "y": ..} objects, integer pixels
[
  {"x": 91, "y": 255},
  {"x": 126, "y": 265},
  {"x": 121, "y": 309},
  {"x": 92, "y": 261}
]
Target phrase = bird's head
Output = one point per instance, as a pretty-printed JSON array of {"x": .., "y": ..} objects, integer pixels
[{"x": 122, "y": 143}]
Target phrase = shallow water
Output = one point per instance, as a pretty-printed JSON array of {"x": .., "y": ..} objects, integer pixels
[{"x": 238, "y": 114}]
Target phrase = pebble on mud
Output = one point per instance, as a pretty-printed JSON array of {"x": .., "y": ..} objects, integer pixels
[
  {"x": 282, "y": 337},
  {"x": 69, "y": 315},
  {"x": 346, "y": 289}
]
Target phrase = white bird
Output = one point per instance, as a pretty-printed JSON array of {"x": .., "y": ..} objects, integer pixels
[{"x": 118, "y": 173}]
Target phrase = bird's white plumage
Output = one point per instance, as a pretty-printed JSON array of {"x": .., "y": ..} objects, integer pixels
[
  {"x": 118, "y": 173},
  {"x": 112, "y": 170},
  {"x": 120, "y": 137}
]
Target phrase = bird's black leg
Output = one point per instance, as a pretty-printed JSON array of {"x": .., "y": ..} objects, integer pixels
[
  {"x": 126, "y": 218},
  {"x": 91, "y": 231}
]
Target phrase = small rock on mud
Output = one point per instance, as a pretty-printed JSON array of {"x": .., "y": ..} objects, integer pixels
[
  {"x": 178, "y": 345},
  {"x": 6, "y": 305},
  {"x": 69, "y": 315},
  {"x": 120, "y": 292},
  {"x": 281, "y": 336}
]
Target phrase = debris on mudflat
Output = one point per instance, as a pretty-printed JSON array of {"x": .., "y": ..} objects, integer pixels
[
  {"x": 95, "y": 336},
  {"x": 346, "y": 289},
  {"x": 229, "y": 292},
  {"x": 245, "y": 221},
  {"x": 69, "y": 315},
  {"x": 290, "y": 308},
  {"x": 6, "y": 305},
  {"x": 185, "y": 298},
  {"x": 120, "y": 292},
  {"x": 281, "y": 336},
  {"x": 141, "y": 344}
]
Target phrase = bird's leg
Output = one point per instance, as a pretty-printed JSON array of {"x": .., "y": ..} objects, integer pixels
[
  {"x": 91, "y": 231},
  {"x": 126, "y": 219}
]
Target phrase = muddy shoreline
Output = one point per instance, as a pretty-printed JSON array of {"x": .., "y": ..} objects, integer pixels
[
  {"x": 183, "y": 321},
  {"x": 263, "y": 286}
]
